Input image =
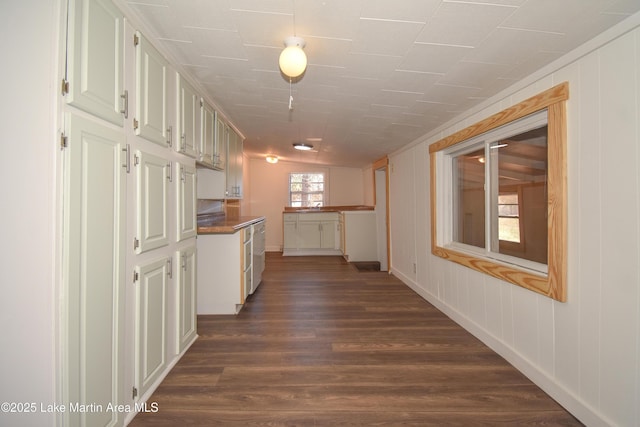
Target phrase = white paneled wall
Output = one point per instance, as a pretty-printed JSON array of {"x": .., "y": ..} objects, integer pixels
[{"x": 585, "y": 352}]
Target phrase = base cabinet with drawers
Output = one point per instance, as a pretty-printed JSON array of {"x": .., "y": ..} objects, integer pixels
[{"x": 226, "y": 270}]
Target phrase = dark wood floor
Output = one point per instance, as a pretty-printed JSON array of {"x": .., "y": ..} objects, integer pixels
[{"x": 321, "y": 344}]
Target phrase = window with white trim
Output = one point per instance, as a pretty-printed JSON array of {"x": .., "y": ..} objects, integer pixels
[
  {"x": 306, "y": 190},
  {"x": 498, "y": 195}
]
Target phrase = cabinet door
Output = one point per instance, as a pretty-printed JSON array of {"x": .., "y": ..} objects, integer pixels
[
  {"x": 231, "y": 163},
  {"x": 220, "y": 149},
  {"x": 95, "y": 59},
  {"x": 151, "y": 323},
  {"x": 207, "y": 135},
  {"x": 187, "y": 221},
  {"x": 93, "y": 269},
  {"x": 189, "y": 118},
  {"x": 328, "y": 234},
  {"x": 309, "y": 235},
  {"x": 186, "y": 298},
  {"x": 290, "y": 235},
  {"x": 151, "y": 89},
  {"x": 152, "y": 201}
]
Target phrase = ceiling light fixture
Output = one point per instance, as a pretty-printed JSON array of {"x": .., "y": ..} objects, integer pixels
[
  {"x": 293, "y": 60},
  {"x": 302, "y": 146},
  {"x": 272, "y": 159}
]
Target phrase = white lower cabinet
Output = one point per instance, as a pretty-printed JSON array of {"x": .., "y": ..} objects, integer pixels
[
  {"x": 224, "y": 271},
  {"x": 151, "y": 322},
  {"x": 312, "y": 233},
  {"x": 358, "y": 236},
  {"x": 94, "y": 270},
  {"x": 186, "y": 297}
]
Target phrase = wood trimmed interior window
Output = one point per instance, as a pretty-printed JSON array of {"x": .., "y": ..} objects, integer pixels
[{"x": 451, "y": 237}]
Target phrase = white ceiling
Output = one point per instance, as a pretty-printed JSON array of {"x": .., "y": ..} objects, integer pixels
[{"x": 381, "y": 73}]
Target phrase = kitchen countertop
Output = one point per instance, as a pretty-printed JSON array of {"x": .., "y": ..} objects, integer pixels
[
  {"x": 219, "y": 224},
  {"x": 289, "y": 209}
]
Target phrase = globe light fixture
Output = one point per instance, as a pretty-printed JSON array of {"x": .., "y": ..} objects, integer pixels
[
  {"x": 293, "y": 60},
  {"x": 272, "y": 159}
]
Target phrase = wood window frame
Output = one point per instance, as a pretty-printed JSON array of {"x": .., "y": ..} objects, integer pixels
[{"x": 553, "y": 284}]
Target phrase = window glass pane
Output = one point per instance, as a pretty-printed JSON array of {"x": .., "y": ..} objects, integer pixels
[
  {"x": 522, "y": 203},
  {"x": 306, "y": 189},
  {"x": 469, "y": 198}
]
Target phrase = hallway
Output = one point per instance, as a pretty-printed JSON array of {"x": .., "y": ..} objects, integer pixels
[{"x": 321, "y": 344}]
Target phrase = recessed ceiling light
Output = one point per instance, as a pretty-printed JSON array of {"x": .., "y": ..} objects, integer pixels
[{"x": 302, "y": 146}]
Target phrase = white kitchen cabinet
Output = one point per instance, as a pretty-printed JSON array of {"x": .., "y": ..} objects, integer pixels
[
  {"x": 290, "y": 231},
  {"x": 186, "y": 297},
  {"x": 152, "y": 72},
  {"x": 188, "y": 118},
  {"x": 311, "y": 233},
  {"x": 358, "y": 235},
  {"x": 152, "y": 286},
  {"x": 152, "y": 176},
  {"x": 211, "y": 184},
  {"x": 186, "y": 196},
  {"x": 224, "y": 271},
  {"x": 220, "y": 148},
  {"x": 93, "y": 269},
  {"x": 95, "y": 59},
  {"x": 207, "y": 135},
  {"x": 234, "y": 165}
]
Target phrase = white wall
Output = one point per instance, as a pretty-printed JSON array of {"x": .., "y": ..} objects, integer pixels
[
  {"x": 268, "y": 185},
  {"x": 585, "y": 352},
  {"x": 29, "y": 46}
]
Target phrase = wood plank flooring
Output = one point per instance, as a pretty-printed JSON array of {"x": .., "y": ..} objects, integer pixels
[{"x": 321, "y": 344}]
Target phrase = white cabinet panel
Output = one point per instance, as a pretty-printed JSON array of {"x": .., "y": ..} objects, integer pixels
[
  {"x": 186, "y": 297},
  {"x": 188, "y": 118},
  {"x": 220, "y": 149},
  {"x": 234, "y": 165},
  {"x": 186, "y": 183},
  {"x": 151, "y": 323},
  {"x": 152, "y": 201},
  {"x": 93, "y": 270},
  {"x": 151, "y": 89},
  {"x": 207, "y": 135},
  {"x": 95, "y": 59}
]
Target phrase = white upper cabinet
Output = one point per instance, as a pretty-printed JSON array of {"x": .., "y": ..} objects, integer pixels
[
  {"x": 151, "y": 89},
  {"x": 95, "y": 54},
  {"x": 207, "y": 135},
  {"x": 153, "y": 174},
  {"x": 220, "y": 148},
  {"x": 188, "y": 118},
  {"x": 187, "y": 222},
  {"x": 234, "y": 165}
]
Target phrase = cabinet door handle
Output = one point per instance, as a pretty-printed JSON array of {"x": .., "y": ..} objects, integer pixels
[
  {"x": 127, "y": 160},
  {"x": 170, "y": 136},
  {"x": 125, "y": 102}
]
